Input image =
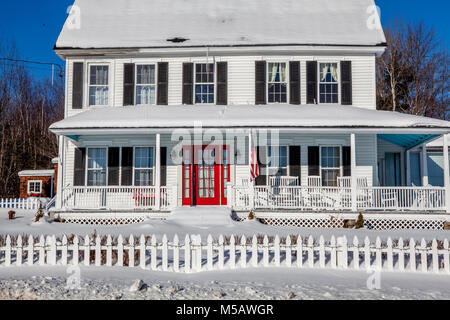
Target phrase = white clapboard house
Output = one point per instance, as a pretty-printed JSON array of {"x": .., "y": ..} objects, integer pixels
[{"x": 168, "y": 102}]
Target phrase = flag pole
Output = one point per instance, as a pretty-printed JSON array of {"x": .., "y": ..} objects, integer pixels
[{"x": 251, "y": 182}]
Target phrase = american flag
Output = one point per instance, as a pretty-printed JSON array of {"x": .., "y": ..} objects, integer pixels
[{"x": 254, "y": 168}]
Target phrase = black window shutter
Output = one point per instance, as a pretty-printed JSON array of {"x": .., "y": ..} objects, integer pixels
[
  {"x": 313, "y": 161},
  {"x": 346, "y": 83},
  {"x": 295, "y": 168},
  {"x": 128, "y": 84},
  {"x": 222, "y": 83},
  {"x": 163, "y": 166},
  {"x": 261, "y": 180},
  {"x": 294, "y": 79},
  {"x": 260, "y": 82},
  {"x": 127, "y": 166},
  {"x": 77, "y": 85},
  {"x": 346, "y": 161},
  {"x": 163, "y": 83},
  {"x": 311, "y": 82},
  {"x": 113, "y": 166},
  {"x": 188, "y": 83},
  {"x": 79, "y": 167}
]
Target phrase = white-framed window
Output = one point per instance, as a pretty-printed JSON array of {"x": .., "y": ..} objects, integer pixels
[
  {"x": 328, "y": 83},
  {"x": 330, "y": 165},
  {"x": 277, "y": 82},
  {"x": 278, "y": 160},
  {"x": 144, "y": 166},
  {"x": 34, "y": 187},
  {"x": 96, "y": 166},
  {"x": 98, "y": 85},
  {"x": 145, "y": 84},
  {"x": 204, "y": 83}
]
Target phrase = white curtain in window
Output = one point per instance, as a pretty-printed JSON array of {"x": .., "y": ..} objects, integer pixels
[
  {"x": 146, "y": 95},
  {"x": 283, "y": 72},
  {"x": 334, "y": 71},
  {"x": 274, "y": 72},
  {"x": 146, "y": 74},
  {"x": 324, "y": 72}
]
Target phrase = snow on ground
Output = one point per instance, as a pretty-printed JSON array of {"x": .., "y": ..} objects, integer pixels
[
  {"x": 24, "y": 224},
  {"x": 262, "y": 283},
  {"x": 269, "y": 284}
]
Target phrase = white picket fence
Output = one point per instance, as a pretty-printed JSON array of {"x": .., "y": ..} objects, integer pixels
[
  {"x": 24, "y": 204},
  {"x": 193, "y": 255}
]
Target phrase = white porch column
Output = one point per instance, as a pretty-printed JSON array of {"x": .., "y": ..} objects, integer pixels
[
  {"x": 353, "y": 170},
  {"x": 158, "y": 172},
  {"x": 446, "y": 175},
  {"x": 424, "y": 165},
  {"x": 408, "y": 168},
  {"x": 60, "y": 177}
]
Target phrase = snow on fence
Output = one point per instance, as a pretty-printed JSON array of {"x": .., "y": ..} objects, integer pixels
[
  {"x": 192, "y": 255},
  {"x": 24, "y": 204}
]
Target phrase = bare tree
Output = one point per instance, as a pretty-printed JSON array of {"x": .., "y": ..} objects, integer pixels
[
  {"x": 412, "y": 75},
  {"x": 27, "y": 108}
]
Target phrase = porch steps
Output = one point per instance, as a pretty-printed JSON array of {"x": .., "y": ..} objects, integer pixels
[{"x": 202, "y": 216}]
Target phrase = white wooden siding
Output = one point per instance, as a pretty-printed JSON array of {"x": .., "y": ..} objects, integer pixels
[{"x": 241, "y": 77}]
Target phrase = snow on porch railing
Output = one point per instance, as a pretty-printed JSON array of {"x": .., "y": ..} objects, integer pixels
[
  {"x": 339, "y": 198},
  {"x": 118, "y": 197},
  {"x": 233, "y": 252},
  {"x": 23, "y": 204}
]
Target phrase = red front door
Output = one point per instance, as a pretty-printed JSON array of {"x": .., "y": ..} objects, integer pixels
[{"x": 204, "y": 180}]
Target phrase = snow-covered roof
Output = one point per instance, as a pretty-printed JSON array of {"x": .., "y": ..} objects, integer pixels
[
  {"x": 282, "y": 115},
  {"x": 37, "y": 173},
  {"x": 150, "y": 23}
]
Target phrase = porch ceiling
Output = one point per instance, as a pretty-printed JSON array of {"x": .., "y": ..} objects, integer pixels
[{"x": 408, "y": 141}]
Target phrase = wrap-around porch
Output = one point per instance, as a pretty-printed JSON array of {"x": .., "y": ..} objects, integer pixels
[{"x": 346, "y": 191}]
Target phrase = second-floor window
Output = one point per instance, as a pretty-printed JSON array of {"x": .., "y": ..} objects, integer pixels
[
  {"x": 329, "y": 83},
  {"x": 98, "y": 85},
  {"x": 145, "y": 84},
  {"x": 204, "y": 83},
  {"x": 277, "y": 83}
]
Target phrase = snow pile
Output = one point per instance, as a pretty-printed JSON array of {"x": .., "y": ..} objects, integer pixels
[
  {"x": 244, "y": 284},
  {"x": 206, "y": 216},
  {"x": 145, "y": 23},
  {"x": 281, "y": 115}
]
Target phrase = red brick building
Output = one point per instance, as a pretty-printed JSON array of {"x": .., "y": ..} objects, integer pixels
[{"x": 39, "y": 183}]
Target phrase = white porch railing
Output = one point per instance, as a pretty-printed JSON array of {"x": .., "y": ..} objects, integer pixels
[
  {"x": 118, "y": 198},
  {"x": 339, "y": 198}
]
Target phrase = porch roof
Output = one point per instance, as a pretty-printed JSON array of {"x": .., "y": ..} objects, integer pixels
[{"x": 281, "y": 116}]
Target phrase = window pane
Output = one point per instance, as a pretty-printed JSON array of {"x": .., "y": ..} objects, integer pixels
[
  {"x": 97, "y": 177},
  {"x": 98, "y": 96},
  {"x": 96, "y": 158},
  {"x": 143, "y": 158},
  {"x": 145, "y": 95},
  {"x": 99, "y": 75},
  {"x": 146, "y": 74},
  {"x": 144, "y": 177}
]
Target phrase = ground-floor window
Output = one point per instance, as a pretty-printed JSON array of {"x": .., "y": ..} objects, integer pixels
[
  {"x": 96, "y": 166},
  {"x": 277, "y": 160},
  {"x": 392, "y": 169},
  {"x": 144, "y": 161},
  {"x": 330, "y": 165},
  {"x": 34, "y": 187}
]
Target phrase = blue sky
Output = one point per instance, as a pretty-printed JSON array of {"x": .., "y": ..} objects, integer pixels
[{"x": 35, "y": 25}]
